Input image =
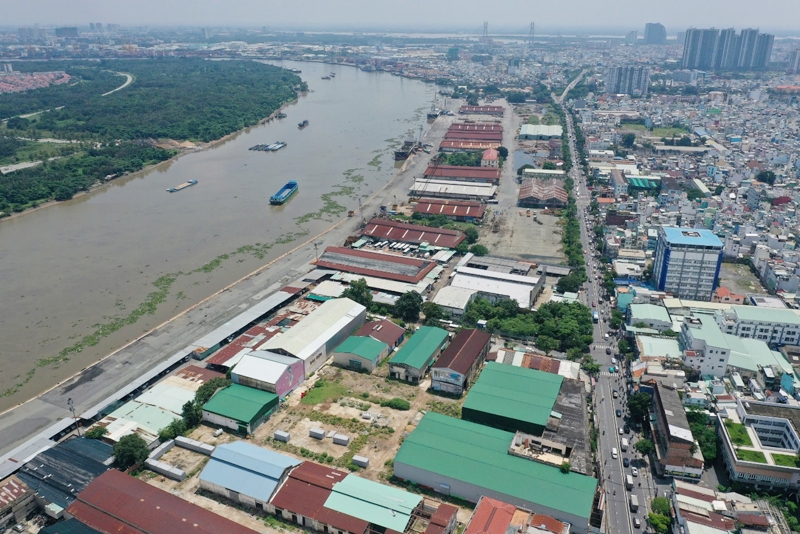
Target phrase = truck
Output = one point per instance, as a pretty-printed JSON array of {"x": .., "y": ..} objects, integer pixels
[
  {"x": 629, "y": 482},
  {"x": 634, "y": 503},
  {"x": 595, "y": 317},
  {"x": 624, "y": 445}
]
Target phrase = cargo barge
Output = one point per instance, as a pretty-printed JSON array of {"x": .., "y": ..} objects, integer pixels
[
  {"x": 286, "y": 192},
  {"x": 303, "y": 124},
  {"x": 181, "y": 187}
]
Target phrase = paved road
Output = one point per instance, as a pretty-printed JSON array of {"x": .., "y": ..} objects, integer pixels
[
  {"x": 96, "y": 383},
  {"x": 619, "y": 518}
]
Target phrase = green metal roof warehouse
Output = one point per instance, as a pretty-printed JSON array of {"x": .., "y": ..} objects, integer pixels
[
  {"x": 512, "y": 398},
  {"x": 469, "y": 460},
  {"x": 240, "y": 408},
  {"x": 417, "y": 354}
]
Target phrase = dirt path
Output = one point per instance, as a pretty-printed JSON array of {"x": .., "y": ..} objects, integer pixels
[{"x": 123, "y": 86}]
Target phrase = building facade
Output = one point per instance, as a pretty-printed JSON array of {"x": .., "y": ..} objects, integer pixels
[
  {"x": 454, "y": 371},
  {"x": 655, "y": 34},
  {"x": 687, "y": 262},
  {"x": 627, "y": 80}
]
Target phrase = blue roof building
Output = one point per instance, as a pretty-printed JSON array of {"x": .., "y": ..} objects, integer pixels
[
  {"x": 687, "y": 262},
  {"x": 246, "y": 473}
]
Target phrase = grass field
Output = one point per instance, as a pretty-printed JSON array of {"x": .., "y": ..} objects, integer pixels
[
  {"x": 738, "y": 434},
  {"x": 324, "y": 391},
  {"x": 657, "y": 132},
  {"x": 751, "y": 456},
  {"x": 786, "y": 460}
]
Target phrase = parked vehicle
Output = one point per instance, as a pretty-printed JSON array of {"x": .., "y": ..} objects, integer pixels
[{"x": 614, "y": 453}]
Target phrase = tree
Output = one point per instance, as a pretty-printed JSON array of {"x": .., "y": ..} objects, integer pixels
[
  {"x": 616, "y": 319},
  {"x": 130, "y": 450},
  {"x": 359, "y": 291},
  {"x": 639, "y": 406},
  {"x": 628, "y": 140},
  {"x": 462, "y": 248},
  {"x": 549, "y": 166},
  {"x": 565, "y": 467},
  {"x": 590, "y": 365},
  {"x": 472, "y": 235},
  {"x": 521, "y": 170},
  {"x": 660, "y": 505},
  {"x": 659, "y": 523},
  {"x": 624, "y": 346},
  {"x": 766, "y": 177},
  {"x": 192, "y": 414},
  {"x": 172, "y": 430},
  {"x": 96, "y": 432},
  {"x": 569, "y": 284},
  {"x": 207, "y": 390},
  {"x": 433, "y": 313},
  {"x": 645, "y": 447},
  {"x": 502, "y": 152},
  {"x": 408, "y": 306},
  {"x": 546, "y": 344},
  {"x": 479, "y": 250}
]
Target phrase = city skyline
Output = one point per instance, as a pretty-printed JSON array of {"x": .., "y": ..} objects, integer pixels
[{"x": 467, "y": 16}]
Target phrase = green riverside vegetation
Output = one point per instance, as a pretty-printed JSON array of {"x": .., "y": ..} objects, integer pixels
[{"x": 178, "y": 99}]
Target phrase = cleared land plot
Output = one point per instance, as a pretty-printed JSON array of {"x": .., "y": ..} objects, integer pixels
[
  {"x": 519, "y": 236},
  {"x": 656, "y": 132},
  {"x": 739, "y": 279}
]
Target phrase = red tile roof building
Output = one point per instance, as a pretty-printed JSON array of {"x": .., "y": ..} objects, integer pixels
[
  {"x": 473, "y": 135},
  {"x": 458, "y": 145},
  {"x": 469, "y": 174},
  {"x": 455, "y": 368},
  {"x": 116, "y": 503},
  {"x": 497, "y": 517},
  {"x": 377, "y": 264},
  {"x": 459, "y": 210},
  {"x": 477, "y": 127},
  {"x": 490, "y": 159},
  {"x": 412, "y": 233},
  {"x": 542, "y": 194},
  {"x": 383, "y": 330}
]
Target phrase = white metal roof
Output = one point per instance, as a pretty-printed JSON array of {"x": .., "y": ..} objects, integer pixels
[
  {"x": 495, "y": 275},
  {"x": 453, "y": 297},
  {"x": 301, "y": 340},
  {"x": 256, "y": 367},
  {"x": 520, "y": 293}
]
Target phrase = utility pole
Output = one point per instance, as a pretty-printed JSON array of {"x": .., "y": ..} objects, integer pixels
[{"x": 74, "y": 417}]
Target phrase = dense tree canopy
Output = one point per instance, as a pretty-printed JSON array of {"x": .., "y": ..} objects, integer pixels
[
  {"x": 130, "y": 450},
  {"x": 408, "y": 306},
  {"x": 359, "y": 292}
]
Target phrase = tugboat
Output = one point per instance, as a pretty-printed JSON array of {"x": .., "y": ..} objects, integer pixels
[
  {"x": 303, "y": 124},
  {"x": 285, "y": 193},
  {"x": 281, "y": 116},
  {"x": 326, "y": 77}
]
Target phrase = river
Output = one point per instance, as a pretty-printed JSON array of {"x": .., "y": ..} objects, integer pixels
[{"x": 95, "y": 272}]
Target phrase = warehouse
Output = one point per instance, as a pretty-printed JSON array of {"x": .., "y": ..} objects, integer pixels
[
  {"x": 413, "y": 360},
  {"x": 467, "y": 460},
  {"x": 117, "y": 502},
  {"x": 454, "y": 370},
  {"x": 544, "y": 174},
  {"x": 412, "y": 233},
  {"x": 482, "y": 110},
  {"x": 541, "y": 131},
  {"x": 55, "y": 476},
  {"x": 269, "y": 371},
  {"x": 455, "y": 145},
  {"x": 375, "y": 264},
  {"x": 474, "y": 135},
  {"x": 360, "y": 353},
  {"x": 454, "y": 300},
  {"x": 134, "y": 417},
  {"x": 240, "y": 408},
  {"x": 535, "y": 193},
  {"x": 383, "y": 330},
  {"x": 489, "y": 175},
  {"x": 495, "y": 286},
  {"x": 314, "y": 338},
  {"x": 497, "y": 264},
  {"x": 380, "y": 505},
  {"x": 453, "y": 189},
  {"x": 512, "y": 398},
  {"x": 457, "y": 210},
  {"x": 246, "y": 473}
]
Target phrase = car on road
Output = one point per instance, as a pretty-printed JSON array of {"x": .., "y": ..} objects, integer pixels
[
  {"x": 608, "y": 350},
  {"x": 594, "y": 304},
  {"x": 627, "y": 429},
  {"x": 614, "y": 393},
  {"x": 634, "y": 471},
  {"x": 620, "y": 431},
  {"x": 610, "y": 369},
  {"x": 619, "y": 413},
  {"x": 626, "y": 462},
  {"x": 637, "y": 523}
]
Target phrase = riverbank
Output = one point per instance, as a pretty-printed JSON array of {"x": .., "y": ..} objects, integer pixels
[{"x": 99, "y": 185}]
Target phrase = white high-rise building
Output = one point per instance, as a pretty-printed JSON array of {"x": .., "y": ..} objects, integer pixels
[
  {"x": 627, "y": 80},
  {"x": 687, "y": 262}
]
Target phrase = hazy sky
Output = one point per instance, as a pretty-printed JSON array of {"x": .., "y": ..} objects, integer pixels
[{"x": 550, "y": 16}]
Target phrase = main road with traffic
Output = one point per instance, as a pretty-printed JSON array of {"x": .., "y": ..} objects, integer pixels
[{"x": 611, "y": 390}]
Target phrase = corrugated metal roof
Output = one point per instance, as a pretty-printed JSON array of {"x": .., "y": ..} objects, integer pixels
[
  {"x": 382, "y": 330},
  {"x": 491, "y": 517},
  {"x": 168, "y": 397},
  {"x": 299, "y": 340},
  {"x": 478, "y": 455},
  {"x": 452, "y": 208},
  {"x": 376, "y": 503},
  {"x": 70, "y": 526},
  {"x": 247, "y": 469},
  {"x": 240, "y": 403},
  {"x": 463, "y": 350},
  {"x": 366, "y": 347},
  {"x": 412, "y": 233},
  {"x": 116, "y": 503},
  {"x": 416, "y": 352},
  {"x": 253, "y": 365},
  {"x": 514, "y": 393},
  {"x": 458, "y": 171}
]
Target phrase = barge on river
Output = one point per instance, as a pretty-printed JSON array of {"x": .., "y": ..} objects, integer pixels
[
  {"x": 181, "y": 187},
  {"x": 286, "y": 192},
  {"x": 303, "y": 124}
]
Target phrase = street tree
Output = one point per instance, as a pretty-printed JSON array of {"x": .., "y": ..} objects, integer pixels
[
  {"x": 472, "y": 235},
  {"x": 660, "y": 523},
  {"x": 549, "y": 166},
  {"x": 639, "y": 406},
  {"x": 502, "y": 152},
  {"x": 479, "y": 250},
  {"x": 645, "y": 447},
  {"x": 546, "y": 344},
  {"x": 408, "y": 306},
  {"x": 660, "y": 505},
  {"x": 359, "y": 292},
  {"x": 130, "y": 450}
]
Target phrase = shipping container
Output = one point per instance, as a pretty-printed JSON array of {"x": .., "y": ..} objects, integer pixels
[
  {"x": 341, "y": 439},
  {"x": 280, "y": 435},
  {"x": 316, "y": 433}
]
